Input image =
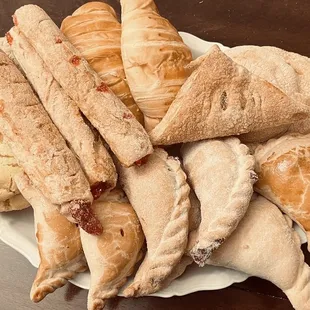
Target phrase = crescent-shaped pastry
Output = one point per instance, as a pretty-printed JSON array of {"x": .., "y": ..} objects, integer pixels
[
  {"x": 154, "y": 57},
  {"x": 222, "y": 98},
  {"x": 65, "y": 114},
  {"x": 40, "y": 150},
  {"x": 59, "y": 243},
  {"x": 95, "y": 31},
  {"x": 159, "y": 194},
  {"x": 266, "y": 246},
  {"x": 283, "y": 168},
  {"x": 221, "y": 173},
  {"x": 123, "y": 133},
  {"x": 111, "y": 257}
]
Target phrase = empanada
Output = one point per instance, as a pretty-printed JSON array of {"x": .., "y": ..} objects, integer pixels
[
  {"x": 154, "y": 57},
  {"x": 222, "y": 98},
  {"x": 221, "y": 173},
  {"x": 159, "y": 194},
  {"x": 266, "y": 246},
  {"x": 111, "y": 257},
  {"x": 59, "y": 243},
  {"x": 283, "y": 168}
]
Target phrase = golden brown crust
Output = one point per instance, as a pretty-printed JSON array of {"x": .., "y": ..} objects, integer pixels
[{"x": 95, "y": 31}]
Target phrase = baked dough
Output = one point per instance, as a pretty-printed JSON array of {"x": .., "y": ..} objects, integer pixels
[
  {"x": 221, "y": 173},
  {"x": 159, "y": 194},
  {"x": 154, "y": 57},
  {"x": 266, "y": 246},
  {"x": 221, "y": 98},
  {"x": 111, "y": 257}
]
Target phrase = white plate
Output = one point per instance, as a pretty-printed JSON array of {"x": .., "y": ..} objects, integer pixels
[{"x": 17, "y": 230}]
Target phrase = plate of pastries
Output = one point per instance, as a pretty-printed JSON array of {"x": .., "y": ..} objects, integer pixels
[{"x": 136, "y": 160}]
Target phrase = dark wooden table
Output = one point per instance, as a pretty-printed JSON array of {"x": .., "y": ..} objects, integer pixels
[{"x": 282, "y": 23}]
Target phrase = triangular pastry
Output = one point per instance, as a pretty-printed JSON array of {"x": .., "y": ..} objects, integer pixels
[
  {"x": 283, "y": 168},
  {"x": 154, "y": 57},
  {"x": 266, "y": 246},
  {"x": 159, "y": 194},
  {"x": 59, "y": 244},
  {"x": 221, "y": 173},
  {"x": 111, "y": 257},
  {"x": 95, "y": 31},
  {"x": 221, "y": 98}
]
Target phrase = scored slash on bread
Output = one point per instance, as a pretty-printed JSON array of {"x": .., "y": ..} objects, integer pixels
[
  {"x": 65, "y": 114},
  {"x": 38, "y": 146},
  {"x": 159, "y": 194},
  {"x": 265, "y": 245},
  {"x": 95, "y": 31},
  {"x": 154, "y": 57},
  {"x": 221, "y": 173},
  {"x": 222, "y": 98},
  {"x": 59, "y": 244},
  {"x": 124, "y": 134}
]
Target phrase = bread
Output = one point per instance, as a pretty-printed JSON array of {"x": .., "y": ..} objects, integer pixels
[
  {"x": 65, "y": 114},
  {"x": 154, "y": 57},
  {"x": 220, "y": 99},
  {"x": 117, "y": 125},
  {"x": 265, "y": 245},
  {"x": 283, "y": 167},
  {"x": 159, "y": 194},
  {"x": 95, "y": 31},
  {"x": 59, "y": 244},
  {"x": 40, "y": 149},
  {"x": 112, "y": 256},
  {"x": 221, "y": 172}
]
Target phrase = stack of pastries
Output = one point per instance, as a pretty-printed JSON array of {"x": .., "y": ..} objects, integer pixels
[{"x": 88, "y": 114}]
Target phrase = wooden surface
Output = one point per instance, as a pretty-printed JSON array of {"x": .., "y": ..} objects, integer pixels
[{"x": 282, "y": 23}]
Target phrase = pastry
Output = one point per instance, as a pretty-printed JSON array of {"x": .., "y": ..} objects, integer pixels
[
  {"x": 126, "y": 137},
  {"x": 40, "y": 150},
  {"x": 221, "y": 173},
  {"x": 65, "y": 114},
  {"x": 154, "y": 57},
  {"x": 221, "y": 98},
  {"x": 283, "y": 167},
  {"x": 112, "y": 256},
  {"x": 95, "y": 31},
  {"x": 266, "y": 246},
  {"x": 159, "y": 194},
  {"x": 10, "y": 198},
  {"x": 59, "y": 244}
]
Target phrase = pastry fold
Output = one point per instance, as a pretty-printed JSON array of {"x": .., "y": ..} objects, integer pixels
[
  {"x": 40, "y": 149},
  {"x": 221, "y": 173},
  {"x": 154, "y": 57},
  {"x": 283, "y": 168},
  {"x": 266, "y": 246},
  {"x": 95, "y": 31},
  {"x": 222, "y": 98},
  {"x": 59, "y": 244},
  {"x": 111, "y": 257},
  {"x": 65, "y": 114},
  {"x": 124, "y": 134},
  {"x": 160, "y": 196}
]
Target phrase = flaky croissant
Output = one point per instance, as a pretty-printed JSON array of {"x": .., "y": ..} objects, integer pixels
[
  {"x": 95, "y": 31},
  {"x": 154, "y": 57}
]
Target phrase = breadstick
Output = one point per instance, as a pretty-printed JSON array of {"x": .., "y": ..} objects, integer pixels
[
  {"x": 125, "y": 135},
  {"x": 40, "y": 149},
  {"x": 65, "y": 114}
]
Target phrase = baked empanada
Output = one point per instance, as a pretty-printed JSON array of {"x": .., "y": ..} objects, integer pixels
[
  {"x": 221, "y": 173},
  {"x": 159, "y": 194},
  {"x": 59, "y": 243},
  {"x": 283, "y": 168},
  {"x": 111, "y": 257},
  {"x": 266, "y": 246},
  {"x": 222, "y": 98}
]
